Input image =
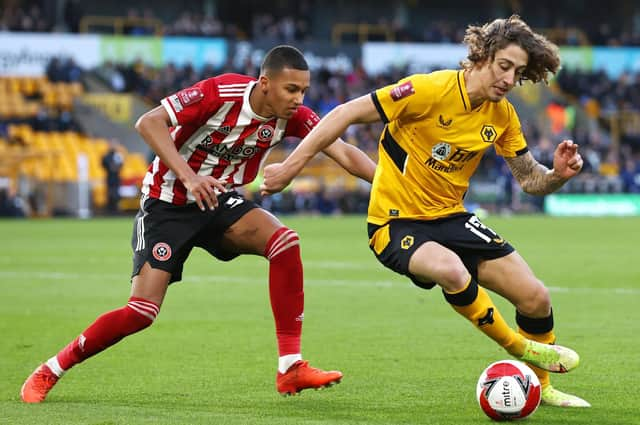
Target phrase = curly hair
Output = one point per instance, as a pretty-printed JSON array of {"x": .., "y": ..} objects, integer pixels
[{"x": 484, "y": 41}]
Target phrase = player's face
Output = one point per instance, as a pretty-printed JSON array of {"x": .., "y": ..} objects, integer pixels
[
  {"x": 285, "y": 91},
  {"x": 500, "y": 75}
]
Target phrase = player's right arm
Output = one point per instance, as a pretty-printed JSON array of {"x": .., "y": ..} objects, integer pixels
[
  {"x": 154, "y": 127},
  {"x": 357, "y": 111}
]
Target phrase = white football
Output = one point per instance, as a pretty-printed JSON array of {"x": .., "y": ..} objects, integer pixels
[{"x": 508, "y": 389}]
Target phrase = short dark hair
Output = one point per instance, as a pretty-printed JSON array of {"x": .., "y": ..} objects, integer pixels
[
  {"x": 484, "y": 41},
  {"x": 281, "y": 57}
]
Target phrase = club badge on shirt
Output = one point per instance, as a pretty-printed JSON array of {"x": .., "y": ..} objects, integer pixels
[{"x": 265, "y": 135}]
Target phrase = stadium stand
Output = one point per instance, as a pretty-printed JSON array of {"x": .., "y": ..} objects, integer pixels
[
  {"x": 46, "y": 121},
  {"x": 41, "y": 146}
]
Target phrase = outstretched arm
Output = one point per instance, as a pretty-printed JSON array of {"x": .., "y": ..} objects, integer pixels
[
  {"x": 361, "y": 110},
  {"x": 351, "y": 159},
  {"x": 536, "y": 179}
]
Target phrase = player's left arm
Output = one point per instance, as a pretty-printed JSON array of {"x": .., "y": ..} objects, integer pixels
[
  {"x": 327, "y": 131},
  {"x": 536, "y": 179},
  {"x": 351, "y": 159}
]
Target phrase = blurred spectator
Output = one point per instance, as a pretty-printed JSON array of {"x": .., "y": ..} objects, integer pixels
[
  {"x": 630, "y": 176},
  {"x": 63, "y": 70},
  {"x": 137, "y": 25},
  {"x": 285, "y": 29},
  {"x": 113, "y": 76},
  {"x": 610, "y": 181},
  {"x": 44, "y": 120},
  {"x": 23, "y": 17},
  {"x": 10, "y": 204},
  {"x": 72, "y": 15},
  {"x": 112, "y": 162}
]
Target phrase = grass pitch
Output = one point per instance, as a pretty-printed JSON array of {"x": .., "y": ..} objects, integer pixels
[{"x": 210, "y": 358}]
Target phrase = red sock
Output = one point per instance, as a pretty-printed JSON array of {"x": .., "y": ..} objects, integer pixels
[
  {"x": 108, "y": 329},
  {"x": 285, "y": 289}
]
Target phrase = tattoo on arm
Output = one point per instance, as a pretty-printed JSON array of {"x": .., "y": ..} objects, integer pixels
[{"x": 533, "y": 177}]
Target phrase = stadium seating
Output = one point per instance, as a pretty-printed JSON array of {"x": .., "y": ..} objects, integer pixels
[{"x": 51, "y": 157}]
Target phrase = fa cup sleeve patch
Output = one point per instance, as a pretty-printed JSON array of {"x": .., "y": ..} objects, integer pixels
[
  {"x": 190, "y": 96},
  {"x": 402, "y": 91}
]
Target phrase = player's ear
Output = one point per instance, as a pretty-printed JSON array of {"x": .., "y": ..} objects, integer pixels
[{"x": 263, "y": 83}]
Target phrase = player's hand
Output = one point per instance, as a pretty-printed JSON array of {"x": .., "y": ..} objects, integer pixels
[
  {"x": 276, "y": 178},
  {"x": 567, "y": 162},
  {"x": 203, "y": 189}
]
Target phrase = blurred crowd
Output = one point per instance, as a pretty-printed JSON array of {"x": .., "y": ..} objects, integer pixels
[
  {"x": 290, "y": 21},
  {"x": 28, "y": 18},
  {"x": 587, "y": 106}
]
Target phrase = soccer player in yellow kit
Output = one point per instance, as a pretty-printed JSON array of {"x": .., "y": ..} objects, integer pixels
[{"x": 438, "y": 126}]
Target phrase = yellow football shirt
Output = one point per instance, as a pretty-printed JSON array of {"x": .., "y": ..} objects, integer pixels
[{"x": 432, "y": 144}]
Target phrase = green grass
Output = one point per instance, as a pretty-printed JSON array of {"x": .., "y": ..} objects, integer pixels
[{"x": 210, "y": 358}]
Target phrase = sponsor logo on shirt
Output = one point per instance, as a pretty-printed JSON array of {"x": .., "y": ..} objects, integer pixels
[
  {"x": 225, "y": 129},
  {"x": 444, "y": 123},
  {"x": 228, "y": 152},
  {"x": 455, "y": 161}
]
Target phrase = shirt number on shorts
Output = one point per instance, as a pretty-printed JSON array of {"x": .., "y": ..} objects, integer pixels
[{"x": 480, "y": 230}]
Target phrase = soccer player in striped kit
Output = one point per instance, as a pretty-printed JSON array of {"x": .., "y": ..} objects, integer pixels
[{"x": 210, "y": 139}]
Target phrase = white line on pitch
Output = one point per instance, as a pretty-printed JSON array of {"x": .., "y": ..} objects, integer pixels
[{"x": 394, "y": 281}]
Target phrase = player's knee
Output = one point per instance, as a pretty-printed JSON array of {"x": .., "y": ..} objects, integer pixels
[
  {"x": 452, "y": 276},
  {"x": 439, "y": 265},
  {"x": 537, "y": 302},
  {"x": 283, "y": 240},
  {"x": 141, "y": 313}
]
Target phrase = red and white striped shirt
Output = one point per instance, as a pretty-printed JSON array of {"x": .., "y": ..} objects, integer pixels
[{"x": 218, "y": 134}]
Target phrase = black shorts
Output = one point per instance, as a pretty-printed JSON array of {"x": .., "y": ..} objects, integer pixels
[
  {"x": 164, "y": 234},
  {"x": 395, "y": 242}
]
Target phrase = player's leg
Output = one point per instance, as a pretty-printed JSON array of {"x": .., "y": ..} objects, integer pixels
[
  {"x": 141, "y": 310},
  {"x": 432, "y": 262},
  {"x": 260, "y": 233},
  {"x": 511, "y": 277},
  {"x": 161, "y": 244},
  {"x": 412, "y": 248}
]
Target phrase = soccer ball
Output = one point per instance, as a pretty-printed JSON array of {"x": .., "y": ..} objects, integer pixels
[{"x": 508, "y": 390}]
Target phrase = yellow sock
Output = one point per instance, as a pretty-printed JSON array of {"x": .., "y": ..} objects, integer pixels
[
  {"x": 474, "y": 303},
  {"x": 545, "y": 338}
]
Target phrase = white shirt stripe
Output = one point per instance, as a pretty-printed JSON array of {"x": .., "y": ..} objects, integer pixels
[{"x": 242, "y": 160}]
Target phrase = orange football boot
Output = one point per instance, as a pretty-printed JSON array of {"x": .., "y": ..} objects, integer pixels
[
  {"x": 301, "y": 376},
  {"x": 38, "y": 384}
]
